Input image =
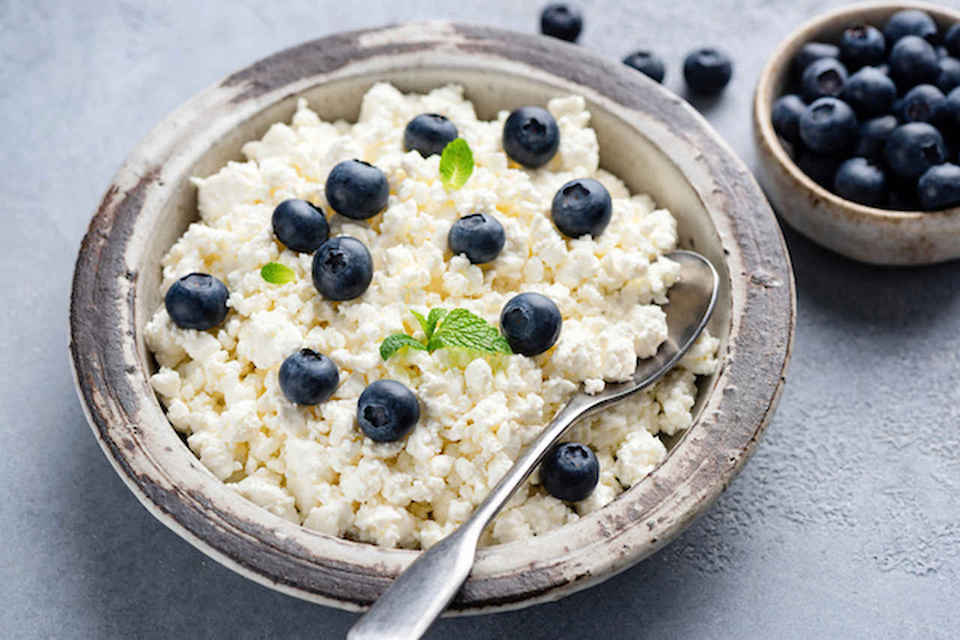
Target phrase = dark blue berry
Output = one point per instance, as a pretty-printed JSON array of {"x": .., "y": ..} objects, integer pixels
[
  {"x": 531, "y": 136},
  {"x": 562, "y": 21},
  {"x": 428, "y": 134},
  {"x": 862, "y": 45},
  {"x": 939, "y": 187},
  {"x": 582, "y": 207},
  {"x": 819, "y": 168},
  {"x": 923, "y": 103},
  {"x": 952, "y": 40},
  {"x": 342, "y": 268},
  {"x": 387, "y": 410},
  {"x": 949, "y": 77},
  {"x": 909, "y": 22},
  {"x": 811, "y": 52},
  {"x": 951, "y": 113},
  {"x": 480, "y": 236},
  {"x": 870, "y": 92},
  {"x": 308, "y": 377},
  {"x": 647, "y": 63},
  {"x": 828, "y": 126},
  {"x": 786, "y": 117},
  {"x": 531, "y": 323},
  {"x": 913, "y": 148},
  {"x": 300, "y": 225},
  {"x": 570, "y": 471},
  {"x": 823, "y": 78},
  {"x": 707, "y": 71},
  {"x": 913, "y": 61},
  {"x": 197, "y": 301},
  {"x": 357, "y": 189},
  {"x": 873, "y": 135},
  {"x": 859, "y": 180}
]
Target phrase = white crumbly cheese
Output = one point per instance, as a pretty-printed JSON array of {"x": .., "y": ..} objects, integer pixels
[{"x": 312, "y": 465}]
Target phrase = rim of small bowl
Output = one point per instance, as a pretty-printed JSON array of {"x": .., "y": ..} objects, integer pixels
[
  {"x": 126, "y": 418},
  {"x": 780, "y": 61}
]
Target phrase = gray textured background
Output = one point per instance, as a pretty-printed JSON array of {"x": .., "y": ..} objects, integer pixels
[{"x": 846, "y": 523}]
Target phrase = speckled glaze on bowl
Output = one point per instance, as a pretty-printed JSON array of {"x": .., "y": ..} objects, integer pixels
[
  {"x": 867, "y": 234},
  {"x": 647, "y": 135}
]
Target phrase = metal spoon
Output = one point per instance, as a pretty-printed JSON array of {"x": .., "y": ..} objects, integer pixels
[{"x": 410, "y": 605}]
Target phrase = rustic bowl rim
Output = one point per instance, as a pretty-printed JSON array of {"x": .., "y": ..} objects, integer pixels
[{"x": 123, "y": 412}]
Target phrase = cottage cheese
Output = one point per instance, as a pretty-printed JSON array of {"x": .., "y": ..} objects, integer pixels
[{"x": 312, "y": 465}]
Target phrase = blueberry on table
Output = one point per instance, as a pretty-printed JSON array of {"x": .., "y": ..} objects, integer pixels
[
  {"x": 860, "y": 180},
  {"x": 913, "y": 148},
  {"x": 582, "y": 207},
  {"x": 828, "y": 126},
  {"x": 939, "y": 187},
  {"x": 952, "y": 40},
  {"x": 811, "y": 52},
  {"x": 308, "y": 377},
  {"x": 647, "y": 63},
  {"x": 949, "y": 78},
  {"x": 786, "y": 117},
  {"x": 197, "y": 301},
  {"x": 707, "y": 71},
  {"x": 862, "y": 45},
  {"x": 357, "y": 189},
  {"x": 479, "y": 236},
  {"x": 531, "y": 136},
  {"x": 428, "y": 134},
  {"x": 913, "y": 61},
  {"x": 570, "y": 471},
  {"x": 820, "y": 168},
  {"x": 823, "y": 78},
  {"x": 300, "y": 225},
  {"x": 342, "y": 268},
  {"x": 531, "y": 323},
  {"x": 873, "y": 135},
  {"x": 909, "y": 22},
  {"x": 923, "y": 103},
  {"x": 562, "y": 21},
  {"x": 387, "y": 411},
  {"x": 870, "y": 92}
]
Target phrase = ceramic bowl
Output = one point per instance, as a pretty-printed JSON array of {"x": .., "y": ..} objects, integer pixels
[
  {"x": 648, "y": 136},
  {"x": 867, "y": 234}
]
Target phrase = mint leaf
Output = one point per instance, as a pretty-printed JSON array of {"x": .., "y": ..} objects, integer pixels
[
  {"x": 460, "y": 328},
  {"x": 429, "y": 323},
  {"x": 456, "y": 163},
  {"x": 399, "y": 341},
  {"x": 276, "y": 273}
]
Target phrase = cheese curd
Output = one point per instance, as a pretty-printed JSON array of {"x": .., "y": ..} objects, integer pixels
[{"x": 311, "y": 464}]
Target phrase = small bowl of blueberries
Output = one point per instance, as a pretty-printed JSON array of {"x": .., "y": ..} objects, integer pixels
[{"x": 857, "y": 127}]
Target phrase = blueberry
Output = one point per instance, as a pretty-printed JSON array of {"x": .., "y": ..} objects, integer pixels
[
  {"x": 531, "y": 136},
  {"x": 862, "y": 45},
  {"x": 819, "y": 168},
  {"x": 828, "y": 126},
  {"x": 952, "y": 40},
  {"x": 913, "y": 61},
  {"x": 570, "y": 471},
  {"x": 949, "y": 77},
  {"x": 951, "y": 113},
  {"x": 342, "y": 268},
  {"x": 428, "y": 134},
  {"x": 479, "y": 236},
  {"x": 531, "y": 323},
  {"x": 357, "y": 190},
  {"x": 811, "y": 52},
  {"x": 561, "y": 21},
  {"x": 913, "y": 148},
  {"x": 647, "y": 63},
  {"x": 870, "y": 92},
  {"x": 300, "y": 225},
  {"x": 308, "y": 377},
  {"x": 939, "y": 187},
  {"x": 786, "y": 117},
  {"x": 823, "y": 78},
  {"x": 873, "y": 135},
  {"x": 707, "y": 71},
  {"x": 923, "y": 103},
  {"x": 581, "y": 207},
  {"x": 859, "y": 180},
  {"x": 197, "y": 301},
  {"x": 387, "y": 410},
  {"x": 909, "y": 22}
]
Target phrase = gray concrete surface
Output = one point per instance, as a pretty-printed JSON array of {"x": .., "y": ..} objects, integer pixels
[{"x": 846, "y": 523}]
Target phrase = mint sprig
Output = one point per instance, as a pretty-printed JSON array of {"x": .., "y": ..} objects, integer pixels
[
  {"x": 456, "y": 163},
  {"x": 276, "y": 273},
  {"x": 442, "y": 330}
]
